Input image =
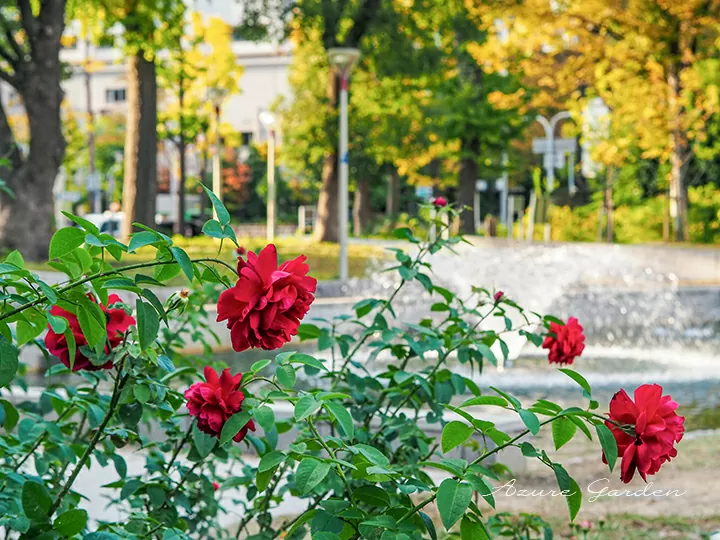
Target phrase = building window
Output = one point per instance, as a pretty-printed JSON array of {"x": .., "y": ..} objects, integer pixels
[
  {"x": 115, "y": 95},
  {"x": 246, "y": 138}
]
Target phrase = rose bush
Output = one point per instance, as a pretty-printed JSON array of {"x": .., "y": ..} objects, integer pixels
[{"x": 357, "y": 442}]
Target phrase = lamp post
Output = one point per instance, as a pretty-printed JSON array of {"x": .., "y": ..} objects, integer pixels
[
  {"x": 216, "y": 97},
  {"x": 267, "y": 119},
  {"x": 343, "y": 60}
]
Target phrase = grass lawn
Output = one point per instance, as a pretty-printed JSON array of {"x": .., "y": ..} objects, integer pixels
[
  {"x": 322, "y": 257},
  {"x": 637, "y": 527}
]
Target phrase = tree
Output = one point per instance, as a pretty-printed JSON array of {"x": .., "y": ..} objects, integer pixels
[
  {"x": 643, "y": 57},
  {"x": 30, "y": 64},
  {"x": 202, "y": 60},
  {"x": 333, "y": 23},
  {"x": 148, "y": 25}
]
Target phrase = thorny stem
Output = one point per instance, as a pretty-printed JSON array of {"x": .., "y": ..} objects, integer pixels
[
  {"x": 99, "y": 275},
  {"x": 120, "y": 382},
  {"x": 265, "y": 503},
  {"x": 179, "y": 447},
  {"x": 332, "y": 455},
  {"x": 288, "y": 524}
]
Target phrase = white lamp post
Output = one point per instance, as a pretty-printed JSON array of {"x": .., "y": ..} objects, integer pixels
[
  {"x": 343, "y": 59},
  {"x": 267, "y": 119},
  {"x": 216, "y": 97}
]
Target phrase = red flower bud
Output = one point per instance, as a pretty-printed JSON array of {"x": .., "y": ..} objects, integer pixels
[
  {"x": 240, "y": 251},
  {"x": 498, "y": 296},
  {"x": 216, "y": 486},
  {"x": 440, "y": 202}
]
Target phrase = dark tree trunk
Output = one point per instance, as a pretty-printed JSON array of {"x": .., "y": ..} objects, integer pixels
[
  {"x": 26, "y": 221},
  {"x": 466, "y": 187},
  {"x": 362, "y": 213},
  {"x": 326, "y": 224},
  {"x": 393, "y": 196},
  {"x": 140, "y": 182}
]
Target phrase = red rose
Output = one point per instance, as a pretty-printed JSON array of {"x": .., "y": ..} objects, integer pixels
[
  {"x": 264, "y": 308},
  {"x": 118, "y": 322},
  {"x": 214, "y": 401},
  {"x": 440, "y": 202},
  {"x": 216, "y": 486},
  {"x": 498, "y": 296},
  {"x": 567, "y": 343},
  {"x": 652, "y": 429}
]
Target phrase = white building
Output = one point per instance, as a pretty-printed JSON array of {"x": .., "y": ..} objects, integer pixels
[{"x": 264, "y": 80}]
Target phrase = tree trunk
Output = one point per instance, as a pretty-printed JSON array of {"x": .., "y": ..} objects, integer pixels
[
  {"x": 362, "y": 212},
  {"x": 609, "y": 203},
  {"x": 326, "y": 223},
  {"x": 393, "y": 196},
  {"x": 26, "y": 221},
  {"x": 179, "y": 225},
  {"x": 466, "y": 188},
  {"x": 679, "y": 153},
  {"x": 140, "y": 181}
]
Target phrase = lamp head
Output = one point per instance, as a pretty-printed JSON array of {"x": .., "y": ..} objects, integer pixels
[
  {"x": 267, "y": 119},
  {"x": 216, "y": 96},
  {"x": 343, "y": 58}
]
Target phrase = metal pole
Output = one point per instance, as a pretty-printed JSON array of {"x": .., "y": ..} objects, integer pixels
[
  {"x": 550, "y": 162},
  {"x": 571, "y": 174},
  {"x": 216, "y": 186},
  {"x": 343, "y": 184},
  {"x": 272, "y": 195},
  {"x": 504, "y": 193}
]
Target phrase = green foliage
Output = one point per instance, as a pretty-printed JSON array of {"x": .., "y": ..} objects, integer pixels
[{"x": 357, "y": 450}]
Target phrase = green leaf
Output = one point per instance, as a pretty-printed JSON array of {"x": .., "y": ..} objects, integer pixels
[
  {"x": 563, "y": 430},
  {"x": 342, "y": 416},
  {"x": 213, "y": 229},
  {"x": 57, "y": 323},
  {"x": 223, "y": 215},
  {"x": 265, "y": 417},
  {"x": 156, "y": 303},
  {"x": 306, "y": 406},
  {"x": 16, "y": 258},
  {"x": 203, "y": 442},
  {"x": 513, "y": 400},
  {"x": 300, "y": 358},
  {"x": 373, "y": 455},
  {"x": 92, "y": 323},
  {"x": 64, "y": 241},
  {"x": 372, "y": 495},
  {"x": 268, "y": 461},
  {"x": 142, "y": 239},
  {"x": 286, "y": 375},
  {"x": 148, "y": 324},
  {"x": 570, "y": 490},
  {"x": 486, "y": 400},
  {"x": 608, "y": 443},
  {"x": 165, "y": 363},
  {"x": 184, "y": 261},
  {"x": 429, "y": 525},
  {"x": 233, "y": 426},
  {"x": 575, "y": 376},
  {"x": 120, "y": 465},
  {"x": 36, "y": 501},
  {"x": 309, "y": 474},
  {"x": 8, "y": 362},
  {"x": 166, "y": 272},
  {"x": 142, "y": 393},
  {"x": 11, "y": 415},
  {"x": 482, "y": 487},
  {"x": 453, "y": 498},
  {"x": 454, "y": 434},
  {"x": 308, "y": 331},
  {"x": 472, "y": 530},
  {"x": 487, "y": 353},
  {"x": 530, "y": 420},
  {"x": 89, "y": 226},
  {"x": 71, "y": 522},
  {"x": 260, "y": 365}
]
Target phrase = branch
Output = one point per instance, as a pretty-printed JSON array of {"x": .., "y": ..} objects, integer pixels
[
  {"x": 19, "y": 54},
  {"x": 28, "y": 20}
]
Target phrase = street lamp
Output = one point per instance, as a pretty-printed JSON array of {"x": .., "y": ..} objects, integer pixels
[
  {"x": 343, "y": 60},
  {"x": 216, "y": 96},
  {"x": 267, "y": 119}
]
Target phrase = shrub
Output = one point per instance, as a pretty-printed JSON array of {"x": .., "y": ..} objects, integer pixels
[{"x": 359, "y": 455}]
